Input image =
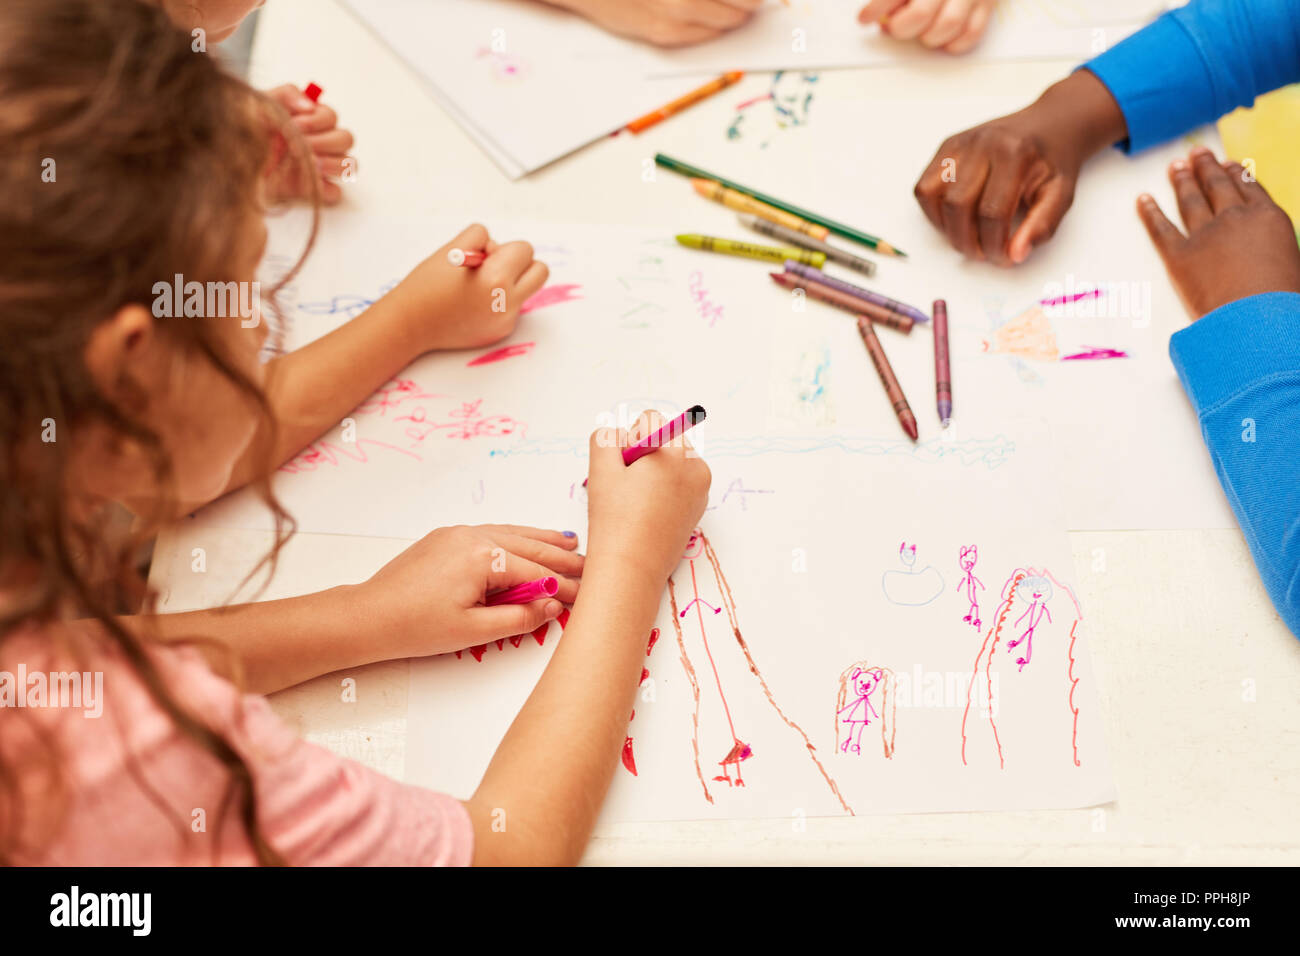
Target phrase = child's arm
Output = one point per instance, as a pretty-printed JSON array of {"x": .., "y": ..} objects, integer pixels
[
  {"x": 1189, "y": 67},
  {"x": 548, "y": 778},
  {"x": 1239, "y": 267},
  {"x": 427, "y": 600},
  {"x": 437, "y": 306}
]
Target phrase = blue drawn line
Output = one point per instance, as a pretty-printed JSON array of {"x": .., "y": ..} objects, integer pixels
[
  {"x": 991, "y": 453},
  {"x": 349, "y": 304}
]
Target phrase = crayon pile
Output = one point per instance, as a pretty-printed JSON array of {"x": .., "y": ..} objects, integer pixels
[{"x": 803, "y": 251}]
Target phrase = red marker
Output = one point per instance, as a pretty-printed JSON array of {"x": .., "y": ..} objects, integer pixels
[
  {"x": 653, "y": 442},
  {"x": 470, "y": 260},
  {"x": 312, "y": 92}
]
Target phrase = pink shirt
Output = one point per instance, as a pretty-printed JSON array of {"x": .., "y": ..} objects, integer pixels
[{"x": 314, "y": 808}]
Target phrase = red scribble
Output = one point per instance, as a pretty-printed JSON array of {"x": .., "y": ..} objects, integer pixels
[
  {"x": 391, "y": 395},
  {"x": 654, "y": 636},
  {"x": 328, "y": 453},
  {"x": 629, "y": 761},
  {"x": 539, "y": 635},
  {"x": 993, "y": 634},
  {"x": 1074, "y": 682},
  {"x": 509, "y": 351},
  {"x": 1093, "y": 352},
  {"x": 466, "y": 422},
  {"x": 551, "y": 295}
]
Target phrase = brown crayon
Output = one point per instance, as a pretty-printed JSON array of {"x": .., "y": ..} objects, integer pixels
[
  {"x": 893, "y": 390},
  {"x": 842, "y": 300}
]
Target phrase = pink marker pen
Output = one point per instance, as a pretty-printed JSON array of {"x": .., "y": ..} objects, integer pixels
[
  {"x": 525, "y": 593},
  {"x": 656, "y": 440}
]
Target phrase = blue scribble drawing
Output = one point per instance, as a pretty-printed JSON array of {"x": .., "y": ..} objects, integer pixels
[
  {"x": 791, "y": 95},
  {"x": 349, "y": 304},
  {"x": 989, "y": 453},
  {"x": 909, "y": 587}
]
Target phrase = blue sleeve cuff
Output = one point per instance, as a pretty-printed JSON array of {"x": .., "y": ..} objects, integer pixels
[
  {"x": 1237, "y": 345},
  {"x": 1160, "y": 81}
]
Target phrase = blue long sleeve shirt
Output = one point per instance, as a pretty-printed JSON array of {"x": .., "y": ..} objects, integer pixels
[{"x": 1240, "y": 365}]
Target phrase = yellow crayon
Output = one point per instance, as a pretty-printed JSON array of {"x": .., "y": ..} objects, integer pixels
[
  {"x": 748, "y": 204},
  {"x": 733, "y": 247}
]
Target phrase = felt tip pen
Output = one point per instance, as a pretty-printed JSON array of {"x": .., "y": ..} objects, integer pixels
[
  {"x": 525, "y": 593},
  {"x": 657, "y": 439},
  {"x": 313, "y": 92},
  {"x": 461, "y": 257}
]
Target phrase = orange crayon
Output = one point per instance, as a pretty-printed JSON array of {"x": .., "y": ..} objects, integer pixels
[{"x": 683, "y": 102}]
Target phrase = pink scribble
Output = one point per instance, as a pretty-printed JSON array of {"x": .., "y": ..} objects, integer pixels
[
  {"x": 858, "y": 712},
  {"x": 465, "y": 422},
  {"x": 966, "y": 557},
  {"x": 1093, "y": 352},
  {"x": 392, "y": 394},
  {"x": 707, "y": 308},
  {"x": 328, "y": 453},
  {"x": 497, "y": 355},
  {"x": 551, "y": 295},
  {"x": 1063, "y": 299},
  {"x": 757, "y": 99}
]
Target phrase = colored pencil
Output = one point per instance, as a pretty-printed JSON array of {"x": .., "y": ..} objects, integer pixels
[
  {"x": 942, "y": 372},
  {"x": 470, "y": 260},
  {"x": 893, "y": 390},
  {"x": 848, "y": 232},
  {"x": 525, "y": 593},
  {"x": 832, "y": 296},
  {"x": 656, "y": 440},
  {"x": 749, "y": 250},
  {"x": 312, "y": 92},
  {"x": 683, "y": 102},
  {"x": 748, "y": 204},
  {"x": 834, "y": 254},
  {"x": 866, "y": 295}
]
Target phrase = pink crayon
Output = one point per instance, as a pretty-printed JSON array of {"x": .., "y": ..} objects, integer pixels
[
  {"x": 470, "y": 260},
  {"x": 653, "y": 442},
  {"x": 525, "y": 593}
]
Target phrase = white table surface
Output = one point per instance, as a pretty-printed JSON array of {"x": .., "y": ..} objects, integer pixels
[{"x": 1198, "y": 675}]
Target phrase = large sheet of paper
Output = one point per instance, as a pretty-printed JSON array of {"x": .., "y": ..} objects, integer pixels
[{"x": 531, "y": 83}]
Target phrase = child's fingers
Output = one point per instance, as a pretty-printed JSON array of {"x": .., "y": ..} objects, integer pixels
[
  {"x": 335, "y": 142},
  {"x": 319, "y": 120},
  {"x": 557, "y": 538},
  {"x": 909, "y": 21},
  {"x": 508, "y": 620},
  {"x": 515, "y": 569},
  {"x": 877, "y": 10},
  {"x": 508, "y": 262},
  {"x": 647, "y": 422},
  {"x": 1192, "y": 204},
  {"x": 548, "y": 555},
  {"x": 715, "y": 14},
  {"x": 1048, "y": 205},
  {"x": 605, "y": 452},
  {"x": 1163, "y": 233},
  {"x": 959, "y": 205},
  {"x": 331, "y": 167},
  {"x": 948, "y": 23},
  {"x": 472, "y": 237},
  {"x": 975, "y": 26},
  {"x": 1215, "y": 182},
  {"x": 1250, "y": 190},
  {"x": 534, "y": 278},
  {"x": 998, "y": 205}
]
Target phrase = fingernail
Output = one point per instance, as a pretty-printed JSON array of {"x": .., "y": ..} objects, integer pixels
[
  {"x": 305, "y": 104},
  {"x": 553, "y": 609},
  {"x": 1178, "y": 165},
  {"x": 569, "y": 534}
]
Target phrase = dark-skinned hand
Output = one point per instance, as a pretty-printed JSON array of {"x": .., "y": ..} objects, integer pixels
[{"x": 1239, "y": 242}]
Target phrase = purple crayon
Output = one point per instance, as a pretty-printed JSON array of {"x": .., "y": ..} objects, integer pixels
[
  {"x": 848, "y": 288},
  {"x": 942, "y": 373},
  {"x": 525, "y": 593}
]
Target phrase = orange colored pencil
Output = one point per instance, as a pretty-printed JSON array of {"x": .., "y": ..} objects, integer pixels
[{"x": 682, "y": 102}]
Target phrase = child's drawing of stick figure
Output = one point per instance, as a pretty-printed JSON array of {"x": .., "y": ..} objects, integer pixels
[
  {"x": 967, "y": 557},
  {"x": 855, "y": 709},
  {"x": 1036, "y": 592},
  {"x": 725, "y": 681}
]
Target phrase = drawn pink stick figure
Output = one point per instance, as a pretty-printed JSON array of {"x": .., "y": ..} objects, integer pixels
[
  {"x": 1036, "y": 592},
  {"x": 967, "y": 557},
  {"x": 858, "y": 712}
]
